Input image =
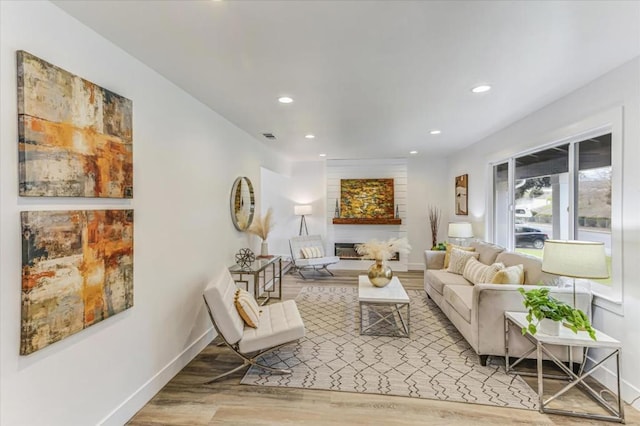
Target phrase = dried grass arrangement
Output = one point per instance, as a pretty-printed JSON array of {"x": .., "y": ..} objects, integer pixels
[
  {"x": 434, "y": 220},
  {"x": 383, "y": 250},
  {"x": 262, "y": 225}
]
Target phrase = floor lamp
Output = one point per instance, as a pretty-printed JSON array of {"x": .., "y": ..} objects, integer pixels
[
  {"x": 303, "y": 210},
  {"x": 575, "y": 259},
  {"x": 460, "y": 231}
]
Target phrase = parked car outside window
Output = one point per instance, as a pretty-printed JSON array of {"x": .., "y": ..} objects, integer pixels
[{"x": 530, "y": 237}]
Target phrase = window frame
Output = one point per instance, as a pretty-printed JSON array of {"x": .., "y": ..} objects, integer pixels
[{"x": 610, "y": 121}]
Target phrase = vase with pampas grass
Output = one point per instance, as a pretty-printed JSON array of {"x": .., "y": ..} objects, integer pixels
[
  {"x": 380, "y": 273},
  {"x": 261, "y": 227}
]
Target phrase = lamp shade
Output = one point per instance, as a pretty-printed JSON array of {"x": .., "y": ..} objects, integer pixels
[
  {"x": 302, "y": 210},
  {"x": 578, "y": 259},
  {"x": 460, "y": 230}
]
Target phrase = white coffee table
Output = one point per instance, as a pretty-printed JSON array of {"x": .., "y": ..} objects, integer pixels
[{"x": 391, "y": 296}]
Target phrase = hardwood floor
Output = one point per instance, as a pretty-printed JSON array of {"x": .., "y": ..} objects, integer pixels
[{"x": 186, "y": 401}]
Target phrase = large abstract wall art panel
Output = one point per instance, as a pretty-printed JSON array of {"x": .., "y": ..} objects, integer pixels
[
  {"x": 77, "y": 270},
  {"x": 75, "y": 138}
]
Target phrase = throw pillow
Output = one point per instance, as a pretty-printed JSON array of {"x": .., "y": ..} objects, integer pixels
[
  {"x": 492, "y": 271},
  {"x": 475, "y": 270},
  {"x": 447, "y": 255},
  {"x": 247, "y": 308},
  {"x": 510, "y": 275},
  {"x": 459, "y": 259},
  {"x": 312, "y": 252}
]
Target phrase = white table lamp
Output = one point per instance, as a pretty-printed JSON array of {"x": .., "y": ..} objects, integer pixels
[
  {"x": 460, "y": 230},
  {"x": 575, "y": 259},
  {"x": 303, "y": 210}
]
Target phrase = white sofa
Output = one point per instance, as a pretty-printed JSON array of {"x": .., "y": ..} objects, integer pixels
[{"x": 477, "y": 311}]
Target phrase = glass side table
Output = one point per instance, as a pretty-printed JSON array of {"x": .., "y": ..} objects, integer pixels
[{"x": 266, "y": 278}]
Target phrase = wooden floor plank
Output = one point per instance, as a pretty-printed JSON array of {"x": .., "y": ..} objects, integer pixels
[{"x": 185, "y": 400}]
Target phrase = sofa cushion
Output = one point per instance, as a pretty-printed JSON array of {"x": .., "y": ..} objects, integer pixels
[
  {"x": 459, "y": 298},
  {"x": 488, "y": 252},
  {"x": 532, "y": 265},
  {"x": 447, "y": 254},
  {"x": 438, "y": 279},
  {"x": 509, "y": 275},
  {"x": 459, "y": 259}
]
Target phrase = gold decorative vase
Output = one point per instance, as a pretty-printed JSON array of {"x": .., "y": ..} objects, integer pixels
[{"x": 380, "y": 274}]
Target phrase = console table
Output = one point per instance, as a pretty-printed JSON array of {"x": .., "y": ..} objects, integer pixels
[
  {"x": 267, "y": 278},
  {"x": 567, "y": 338}
]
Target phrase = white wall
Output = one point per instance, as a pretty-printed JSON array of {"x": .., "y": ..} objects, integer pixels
[
  {"x": 183, "y": 231},
  {"x": 618, "y": 89}
]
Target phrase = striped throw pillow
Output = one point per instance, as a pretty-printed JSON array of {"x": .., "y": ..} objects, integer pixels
[
  {"x": 312, "y": 252},
  {"x": 475, "y": 270},
  {"x": 459, "y": 259}
]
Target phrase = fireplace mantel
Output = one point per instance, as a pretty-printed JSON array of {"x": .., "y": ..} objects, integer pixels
[{"x": 366, "y": 221}]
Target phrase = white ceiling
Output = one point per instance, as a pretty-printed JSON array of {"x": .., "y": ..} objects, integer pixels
[{"x": 371, "y": 78}]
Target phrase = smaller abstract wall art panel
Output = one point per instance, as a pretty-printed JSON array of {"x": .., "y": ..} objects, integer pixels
[
  {"x": 366, "y": 198},
  {"x": 74, "y": 137},
  {"x": 462, "y": 188},
  {"x": 77, "y": 270}
]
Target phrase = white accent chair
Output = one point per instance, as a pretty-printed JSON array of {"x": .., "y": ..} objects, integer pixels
[
  {"x": 280, "y": 324},
  {"x": 296, "y": 244}
]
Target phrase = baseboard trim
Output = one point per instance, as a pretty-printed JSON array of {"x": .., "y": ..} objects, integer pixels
[
  {"x": 415, "y": 266},
  {"x": 130, "y": 406},
  {"x": 630, "y": 393}
]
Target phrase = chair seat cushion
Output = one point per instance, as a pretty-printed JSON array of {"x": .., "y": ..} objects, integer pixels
[
  {"x": 279, "y": 323},
  {"x": 318, "y": 261}
]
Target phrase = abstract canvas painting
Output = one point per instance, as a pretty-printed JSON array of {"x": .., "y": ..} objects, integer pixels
[
  {"x": 366, "y": 198},
  {"x": 75, "y": 138},
  {"x": 77, "y": 270}
]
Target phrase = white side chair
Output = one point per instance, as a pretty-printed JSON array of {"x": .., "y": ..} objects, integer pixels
[
  {"x": 280, "y": 324},
  {"x": 300, "y": 263}
]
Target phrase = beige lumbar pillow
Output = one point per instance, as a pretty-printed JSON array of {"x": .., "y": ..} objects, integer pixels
[
  {"x": 459, "y": 259},
  {"x": 247, "y": 308},
  {"x": 510, "y": 275},
  {"x": 447, "y": 254}
]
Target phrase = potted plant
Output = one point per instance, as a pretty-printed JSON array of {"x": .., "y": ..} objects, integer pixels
[{"x": 541, "y": 306}]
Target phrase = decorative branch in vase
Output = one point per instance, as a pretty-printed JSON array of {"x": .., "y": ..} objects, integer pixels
[
  {"x": 380, "y": 273},
  {"x": 261, "y": 226},
  {"x": 434, "y": 220}
]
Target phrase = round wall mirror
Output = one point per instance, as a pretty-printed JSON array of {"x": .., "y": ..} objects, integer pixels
[{"x": 242, "y": 203}]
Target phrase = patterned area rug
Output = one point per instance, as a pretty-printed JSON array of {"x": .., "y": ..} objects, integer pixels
[{"x": 436, "y": 362}]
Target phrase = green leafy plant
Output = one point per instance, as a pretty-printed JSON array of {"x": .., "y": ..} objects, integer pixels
[
  {"x": 440, "y": 247},
  {"x": 541, "y": 305}
]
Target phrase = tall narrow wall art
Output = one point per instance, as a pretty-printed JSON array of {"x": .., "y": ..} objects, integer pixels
[
  {"x": 77, "y": 270},
  {"x": 75, "y": 137}
]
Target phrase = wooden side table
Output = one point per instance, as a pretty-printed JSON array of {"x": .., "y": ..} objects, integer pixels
[
  {"x": 569, "y": 339},
  {"x": 266, "y": 278}
]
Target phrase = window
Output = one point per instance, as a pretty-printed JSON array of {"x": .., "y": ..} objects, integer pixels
[{"x": 563, "y": 191}]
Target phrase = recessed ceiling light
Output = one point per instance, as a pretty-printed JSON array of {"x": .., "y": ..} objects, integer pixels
[
  {"x": 481, "y": 89},
  {"x": 413, "y": 152},
  {"x": 435, "y": 132},
  {"x": 309, "y": 136},
  {"x": 323, "y": 155},
  {"x": 285, "y": 100}
]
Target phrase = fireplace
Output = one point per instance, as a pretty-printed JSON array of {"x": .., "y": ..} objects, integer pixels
[{"x": 347, "y": 251}]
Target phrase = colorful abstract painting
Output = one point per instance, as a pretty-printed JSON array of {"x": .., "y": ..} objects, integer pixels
[
  {"x": 366, "y": 198},
  {"x": 77, "y": 270},
  {"x": 75, "y": 138}
]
